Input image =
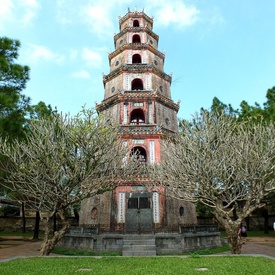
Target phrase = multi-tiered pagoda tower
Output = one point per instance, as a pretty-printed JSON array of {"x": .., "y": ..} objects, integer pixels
[{"x": 138, "y": 98}]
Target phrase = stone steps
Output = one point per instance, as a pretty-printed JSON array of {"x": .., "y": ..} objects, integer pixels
[{"x": 139, "y": 245}]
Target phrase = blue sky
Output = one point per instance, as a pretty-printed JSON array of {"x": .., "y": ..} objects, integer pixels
[{"x": 213, "y": 48}]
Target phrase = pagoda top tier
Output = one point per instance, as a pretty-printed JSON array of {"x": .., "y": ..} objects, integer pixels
[{"x": 129, "y": 20}]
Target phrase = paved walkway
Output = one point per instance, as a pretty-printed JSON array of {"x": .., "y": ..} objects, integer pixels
[
  {"x": 11, "y": 248},
  {"x": 254, "y": 248},
  {"x": 14, "y": 248}
]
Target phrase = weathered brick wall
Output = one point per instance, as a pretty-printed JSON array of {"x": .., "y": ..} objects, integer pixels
[
  {"x": 97, "y": 211},
  {"x": 163, "y": 113},
  {"x": 174, "y": 215}
]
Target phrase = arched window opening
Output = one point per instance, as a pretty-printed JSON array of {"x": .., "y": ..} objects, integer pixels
[
  {"x": 94, "y": 213},
  {"x": 140, "y": 154},
  {"x": 136, "y": 58},
  {"x": 136, "y": 23},
  {"x": 137, "y": 84},
  {"x": 136, "y": 38},
  {"x": 137, "y": 117}
]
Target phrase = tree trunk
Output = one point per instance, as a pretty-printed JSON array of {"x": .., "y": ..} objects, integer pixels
[
  {"x": 234, "y": 243},
  {"x": 49, "y": 243},
  {"x": 265, "y": 215},
  {"x": 231, "y": 227},
  {"x": 54, "y": 223},
  {"x": 23, "y": 217},
  {"x": 36, "y": 227}
]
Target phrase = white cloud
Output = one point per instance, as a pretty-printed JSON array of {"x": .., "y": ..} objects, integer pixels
[
  {"x": 30, "y": 3},
  {"x": 91, "y": 57},
  {"x": 211, "y": 20},
  {"x": 96, "y": 14},
  {"x": 21, "y": 12},
  {"x": 31, "y": 8},
  {"x": 98, "y": 18},
  {"x": 81, "y": 74},
  {"x": 6, "y": 7},
  {"x": 175, "y": 13},
  {"x": 99, "y": 15},
  {"x": 28, "y": 17},
  {"x": 40, "y": 52},
  {"x": 66, "y": 11}
]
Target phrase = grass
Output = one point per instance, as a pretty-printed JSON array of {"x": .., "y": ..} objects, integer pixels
[
  {"x": 211, "y": 251},
  {"x": 102, "y": 264},
  {"x": 69, "y": 252},
  {"x": 139, "y": 265}
]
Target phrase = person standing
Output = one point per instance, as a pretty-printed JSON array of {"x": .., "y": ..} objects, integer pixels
[{"x": 242, "y": 233}]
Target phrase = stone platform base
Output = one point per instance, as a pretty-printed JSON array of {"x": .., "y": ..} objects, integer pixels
[{"x": 165, "y": 243}]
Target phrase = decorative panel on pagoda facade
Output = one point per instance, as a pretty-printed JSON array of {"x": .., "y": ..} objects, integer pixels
[
  {"x": 151, "y": 41},
  {"x": 157, "y": 61},
  {"x": 113, "y": 113},
  {"x": 121, "y": 41},
  {"x": 161, "y": 85},
  {"x": 114, "y": 86},
  {"x": 117, "y": 62},
  {"x": 166, "y": 117}
]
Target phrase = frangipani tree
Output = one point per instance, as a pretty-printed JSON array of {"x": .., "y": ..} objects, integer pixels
[
  {"x": 226, "y": 165},
  {"x": 64, "y": 160}
]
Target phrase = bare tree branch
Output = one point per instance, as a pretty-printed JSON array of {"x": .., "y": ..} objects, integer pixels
[
  {"x": 63, "y": 161},
  {"x": 223, "y": 164}
]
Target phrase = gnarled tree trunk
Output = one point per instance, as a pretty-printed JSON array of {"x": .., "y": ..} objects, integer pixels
[
  {"x": 50, "y": 242},
  {"x": 234, "y": 243},
  {"x": 231, "y": 226}
]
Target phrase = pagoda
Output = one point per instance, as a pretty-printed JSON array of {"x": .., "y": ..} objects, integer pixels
[{"x": 137, "y": 96}]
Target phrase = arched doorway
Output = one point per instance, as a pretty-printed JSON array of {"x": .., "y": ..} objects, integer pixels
[
  {"x": 136, "y": 58},
  {"x": 140, "y": 153},
  {"x": 137, "y": 84},
  {"x": 137, "y": 117},
  {"x": 136, "y": 38},
  {"x": 136, "y": 23}
]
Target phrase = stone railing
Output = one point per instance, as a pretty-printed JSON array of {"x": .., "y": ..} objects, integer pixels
[
  {"x": 89, "y": 229},
  {"x": 198, "y": 229}
]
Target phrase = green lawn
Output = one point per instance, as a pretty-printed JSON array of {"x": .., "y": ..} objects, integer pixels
[
  {"x": 140, "y": 265},
  {"x": 192, "y": 264}
]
